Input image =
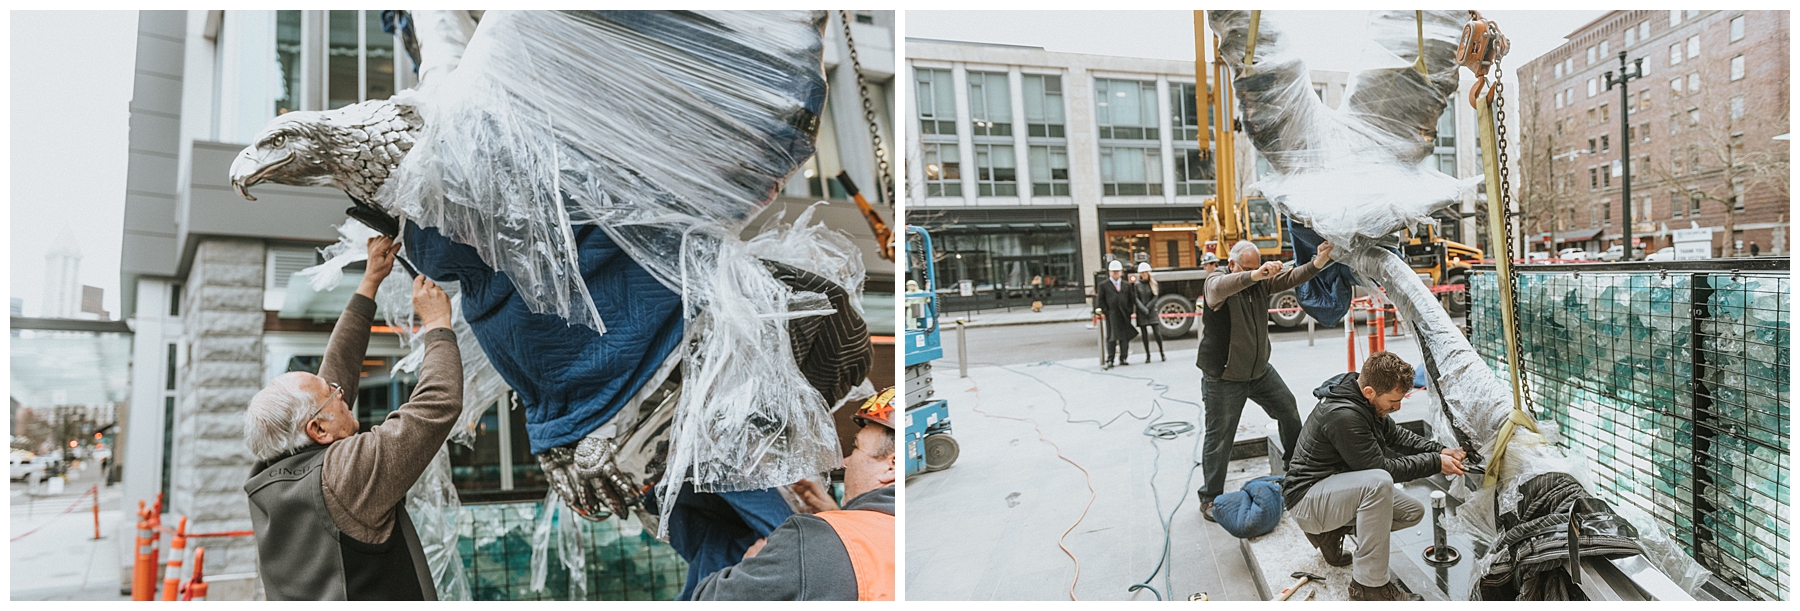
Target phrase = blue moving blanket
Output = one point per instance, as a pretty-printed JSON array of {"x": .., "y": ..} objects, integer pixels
[{"x": 570, "y": 379}]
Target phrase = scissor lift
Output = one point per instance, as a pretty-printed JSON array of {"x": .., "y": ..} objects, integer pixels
[{"x": 929, "y": 446}]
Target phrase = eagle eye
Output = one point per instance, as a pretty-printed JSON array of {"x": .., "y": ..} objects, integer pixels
[{"x": 277, "y": 140}]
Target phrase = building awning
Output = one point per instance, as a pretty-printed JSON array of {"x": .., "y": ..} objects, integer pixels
[{"x": 1578, "y": 235}]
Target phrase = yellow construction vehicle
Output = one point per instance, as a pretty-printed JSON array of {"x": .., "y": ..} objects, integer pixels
[{"x": 1441, "y": 262}]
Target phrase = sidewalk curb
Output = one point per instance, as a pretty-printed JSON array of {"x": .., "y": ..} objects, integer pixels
[{"x": 1016, "y": 323}]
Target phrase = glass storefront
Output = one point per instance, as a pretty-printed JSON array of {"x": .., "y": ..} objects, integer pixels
[{"x": 1007, "y": 268}]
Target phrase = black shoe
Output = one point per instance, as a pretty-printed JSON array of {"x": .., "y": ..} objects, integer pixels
[
  {"x": 1106, "y": 365},
  {"x": 1165, "y": 358},
  {"x": 1123, "y": 362},
  {"x": 1331, "y": 546},
  {"x": 1388, "y": 591},
  {"x": 1206, "y": 510}
]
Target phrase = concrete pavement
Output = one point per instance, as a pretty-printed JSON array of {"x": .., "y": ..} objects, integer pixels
[
  {"x": 988, "y": 527},
  {"x": 59, "y": 558}
]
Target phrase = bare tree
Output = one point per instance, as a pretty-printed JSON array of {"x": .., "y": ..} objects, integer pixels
[
  {"x": 1712, "y": 161},
  {"x": 1542, "y": 189}
]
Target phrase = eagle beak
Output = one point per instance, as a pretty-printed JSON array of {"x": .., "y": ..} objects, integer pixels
[{"x": 248, "y": 170}]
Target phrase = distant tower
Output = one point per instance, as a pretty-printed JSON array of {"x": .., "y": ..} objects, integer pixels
[{"x": 62, "y": 278}]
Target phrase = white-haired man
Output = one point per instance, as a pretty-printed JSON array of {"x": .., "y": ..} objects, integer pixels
[
  {"x": 327, "y": 501},
  {"x": 1234, "y": 357}
]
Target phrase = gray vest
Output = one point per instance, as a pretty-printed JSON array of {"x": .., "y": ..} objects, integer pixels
[{"x": 301, "y": 554}]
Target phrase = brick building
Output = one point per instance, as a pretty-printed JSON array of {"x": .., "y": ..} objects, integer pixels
[{"x": 1704, "y": 122}]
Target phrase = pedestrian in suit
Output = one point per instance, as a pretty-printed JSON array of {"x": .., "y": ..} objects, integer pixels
[
  {"x": 1143, "y": 300},
  {"x": 1113, "y": 299}
]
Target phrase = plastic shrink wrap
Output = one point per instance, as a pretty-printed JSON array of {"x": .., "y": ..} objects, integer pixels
[{"x": 668, "y": 131}]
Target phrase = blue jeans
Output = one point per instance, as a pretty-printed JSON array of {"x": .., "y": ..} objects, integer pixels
[{"x": 1224, "y": 401}]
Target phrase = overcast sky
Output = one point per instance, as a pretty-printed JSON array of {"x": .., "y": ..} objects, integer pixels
[{"x": 71, "y": 89}]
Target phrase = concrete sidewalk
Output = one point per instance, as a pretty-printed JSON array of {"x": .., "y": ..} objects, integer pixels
[
  {"x": 61, "y": 560},
  {"x": 987, "y": 528}
]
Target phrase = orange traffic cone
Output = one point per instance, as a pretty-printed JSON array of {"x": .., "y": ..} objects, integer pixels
[
  {"x": 196, "y": 589},
  {"x": 172, "y": 576}
]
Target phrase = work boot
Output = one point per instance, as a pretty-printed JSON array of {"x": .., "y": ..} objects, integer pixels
[
  {"x": 1331, "y": 546},
  {"x": 1206, "y": 510},
  {"x": 1123, "y": 362},
  {"x": 1388, "y": 591}
]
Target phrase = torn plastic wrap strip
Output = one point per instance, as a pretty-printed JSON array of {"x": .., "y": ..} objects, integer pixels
[
  {"x": 434, "y": 507},
  {"x": 652, "y": 123},
  {"x": 1353, "y": 174},
  {"x": 747, "y": 418}
]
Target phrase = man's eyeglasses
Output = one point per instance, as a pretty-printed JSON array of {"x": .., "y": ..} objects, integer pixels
[{"x": 336, "y": 391}]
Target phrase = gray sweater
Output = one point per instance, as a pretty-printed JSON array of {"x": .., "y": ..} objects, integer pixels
[{"x": 803, "y": 560}]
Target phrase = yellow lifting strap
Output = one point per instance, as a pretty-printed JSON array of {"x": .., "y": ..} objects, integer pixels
[{"x": 1478, "y": 34}]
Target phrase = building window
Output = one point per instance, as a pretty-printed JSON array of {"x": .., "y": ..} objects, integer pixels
[
  {"x": 1184, "y": 122},
  {"x": 1603, "y": 52},
  {"x": 1737, "y": 149},
  {"x": 1737, "y": 28},
  {"x": 1674, "y": 18},
  {"x": 1645, "y": 130},
  {"x": 1675, "y": 84},
  {"x": 1675, "y": 54},
  {"x": 1737, "y": 195},
  {"x": 1693, "y": 84},
  {"x": 1676, "y": 210},
  {"x": 1737, "y": 107},
  {"x": 1693, "y": 46},
  {"x": 1558, "y": 69},
  {"x": 1630, "y": 36},
  {"x": 1593, "y": 179},
  {"x": 1675, "y": 165},
  {"x": 1050, "y": 170},
  {"x": 1593, "y": 146},
  {"x": 1131, "y": 170},
  {"x": 1125, "y": 110},
  {"x": 990, "y": 104},
  {"x": 943, "y": 170},
  {"x": 1694, "y": 205},
  {"x": 937, "y": 102},
  {"x": 1737, "y": 67},
  {"x": 1043, "y": 106},
  {"x": 359, "y": 59},
  {"x": 1194, "y": 173},
  {"x": 1645, "y": 99},
  {"x": 1593, "y": 118},
  {"x": 1593, "y": 87},
  {"x": 287, "y": 60},
  {"x": 1605, "y": 114},
  {"x": 1606, "y": 212},
  {"x": 1592, "y": 56},
  {"x": 1605, "y": 143},
  {"x": 1569, "y": 94},
  {"x": 1446, "y": 127},
  {"x": 996, "y": 170},
  {"x": 1644, "y": 31},
  {"x": 1693, "y": 116},
  {"x": 1559, "y": 100}
]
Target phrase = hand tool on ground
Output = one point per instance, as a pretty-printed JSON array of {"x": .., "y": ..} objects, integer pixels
[{"x": 1304, "y": 578}]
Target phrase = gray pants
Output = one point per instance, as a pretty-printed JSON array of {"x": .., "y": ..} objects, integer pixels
[{"x": 1369, "y": 499}]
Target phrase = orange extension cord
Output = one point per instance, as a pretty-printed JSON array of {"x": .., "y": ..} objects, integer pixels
[{"x": 1059, "y": 454}]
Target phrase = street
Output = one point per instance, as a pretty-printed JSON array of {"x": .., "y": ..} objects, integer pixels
[{"x": 1013, "y": 344}]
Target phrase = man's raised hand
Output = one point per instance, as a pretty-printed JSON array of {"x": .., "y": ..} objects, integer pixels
[{"x": 430, "y": 304}]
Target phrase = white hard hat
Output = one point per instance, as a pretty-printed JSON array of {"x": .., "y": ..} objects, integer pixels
[
  {"x": 1115, "y": 266},
  {"x": 1143, "y": 267}
]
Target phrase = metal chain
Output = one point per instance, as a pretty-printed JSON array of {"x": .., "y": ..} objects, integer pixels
[
  {"x": 862, "y": 88},
  {"x": 1512, "y": 277}
]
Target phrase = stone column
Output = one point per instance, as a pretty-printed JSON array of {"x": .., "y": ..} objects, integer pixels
[{"x": 222, "y": 320}]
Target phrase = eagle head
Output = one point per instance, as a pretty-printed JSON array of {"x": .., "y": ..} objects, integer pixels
[{"x": 353, "y": 148}]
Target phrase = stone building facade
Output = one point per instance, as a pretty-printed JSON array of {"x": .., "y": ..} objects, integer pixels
[{"x": 1704, "y": 122}]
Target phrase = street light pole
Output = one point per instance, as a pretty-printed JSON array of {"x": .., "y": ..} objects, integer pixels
[{"x": 1625, "y": 143}]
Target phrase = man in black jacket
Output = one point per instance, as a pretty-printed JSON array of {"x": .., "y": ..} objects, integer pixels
[
  {"x": 1113, "y": 298},
  {"x": 1341, "y": 480}
]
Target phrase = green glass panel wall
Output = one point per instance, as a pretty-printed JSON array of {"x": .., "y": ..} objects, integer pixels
[{"x": 1675, "y": 386}]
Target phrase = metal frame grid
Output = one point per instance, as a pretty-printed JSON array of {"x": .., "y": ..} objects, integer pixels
[
  {"x": 1674, "y": 383},
  {"x": 623, "y": 561}
]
